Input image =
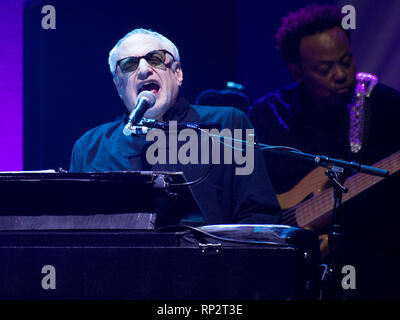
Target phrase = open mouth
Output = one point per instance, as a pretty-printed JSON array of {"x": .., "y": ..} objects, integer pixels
[{"x": 152, "y": 86}]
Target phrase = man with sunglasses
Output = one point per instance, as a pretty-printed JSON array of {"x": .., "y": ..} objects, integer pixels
[
  {"x": 144, "y": 60},
  {"x": 139, "y": 62}
]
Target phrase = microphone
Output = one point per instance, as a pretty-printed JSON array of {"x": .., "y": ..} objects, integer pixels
[{"x": 145, "y": 101}]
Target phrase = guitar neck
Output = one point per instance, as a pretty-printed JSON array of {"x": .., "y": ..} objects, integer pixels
[{"x": 321, "y": 205}]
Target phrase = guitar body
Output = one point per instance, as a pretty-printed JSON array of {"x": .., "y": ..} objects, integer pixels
[
  {"x": 309, "y": 204},
  {"x": 311, "y": 185}
]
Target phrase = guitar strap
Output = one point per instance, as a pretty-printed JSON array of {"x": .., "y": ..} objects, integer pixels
[{"x": 360, "y": 112}]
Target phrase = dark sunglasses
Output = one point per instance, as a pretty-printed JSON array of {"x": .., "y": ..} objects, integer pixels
[{"x": 154, "y": 58}]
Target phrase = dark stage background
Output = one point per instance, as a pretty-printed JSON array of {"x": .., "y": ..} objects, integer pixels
[{"x": 68, "y": 88}]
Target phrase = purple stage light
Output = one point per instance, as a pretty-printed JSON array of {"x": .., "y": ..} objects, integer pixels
[{"x": 11, "y": 110}]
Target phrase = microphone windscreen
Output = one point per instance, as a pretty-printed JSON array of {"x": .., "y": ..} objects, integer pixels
[{"x": 149, "y": 96}]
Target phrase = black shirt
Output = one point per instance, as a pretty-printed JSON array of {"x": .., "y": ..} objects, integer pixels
[{"x": 224, "y": 197}]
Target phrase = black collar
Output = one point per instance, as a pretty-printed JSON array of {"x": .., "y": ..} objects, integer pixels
[{"x": 178, "y": 111}]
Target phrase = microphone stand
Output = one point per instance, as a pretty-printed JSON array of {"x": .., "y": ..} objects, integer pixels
[
  {"x": 336, "y": 176},
  {"x": 145, "y": 125},
  {"x": 335, "y": 239}
]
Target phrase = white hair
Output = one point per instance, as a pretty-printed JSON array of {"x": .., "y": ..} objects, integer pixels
[{"x": 112, "y": 57}]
